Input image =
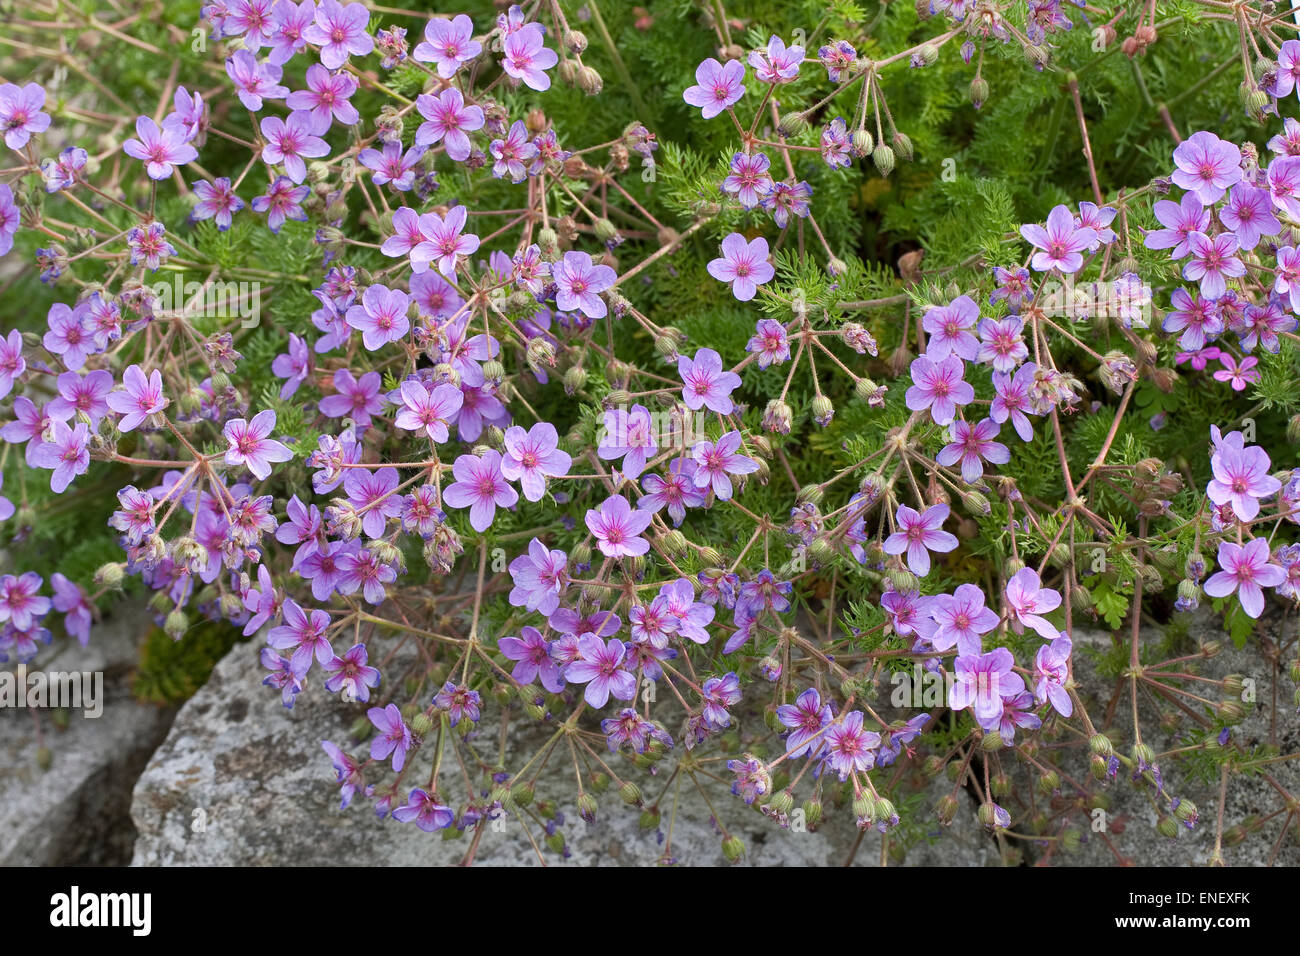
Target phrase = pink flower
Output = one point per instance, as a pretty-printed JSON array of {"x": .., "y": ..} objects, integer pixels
[
  {"x": 375, "y": 496},
  {"x": 303, "y": 632},
  {"x": 532, "y": 654},
  {"x": 706, "y": 384},
  {"x": 1238, "y": 375},
  {"x": 392, "y": 165},
  {"x": 919, "y": 534},
  {"x": 340, "y": 31},
  {"x": 849, "y": 748},
  {"x": 84, "y": 395},
  {"x": 532, "y": 456},
  {"x": 776, "y": 64},
  {"x": 159, "y": 149},
  {"x": 254, "y": 81},
  {"x": 380, "y": 317},
  {"x": 443, "y": 241},
  {"x": 394, "y": 736},
  {"x": 717, "y": 87},
  {"x": 525, "y": 57},
  {"x": 579, "y": 282},
  {"x": 600, "y": 667},
  {"x": 1062, "y": 242},
  {"x": 217, "y": 201},
  {"x": 1241, "y": 477},
  {"x": 1212, "y": 262},
  {"x": 20, "y": 113},
  {"x": 981, "y": 681},
  {"x": 326, "y": 99},
  {"x": 291, "y": 141},
  {"x": 448, "y": 118},
  {"x": 1029, "y": 601},
  {"x": 139, "y": 398},
  {"x": 1246, "y": 570},
  {"x": 12, "y": 363},
  {"x": 770, "y": 341},
  {"x": 480, "y": 486},
  {"x": 430, "y": 410},
  {"x": 938, "y": 386},
  {"x": 251, "y": 444},
  {"x": 67, "y": 452},
  {"x": 617, "y": 528},
  {"x": 1207, "y": 166},
  {"x": 714, "y": 461},
  {"x": 511, "y": 155},
  {"x": 628, "y": 435},
  {"x": 970, "y": 443},
  {"x": 743, "y": 264},
  {"x": 68, "y": 336},
  {"x": 282, "y": 201},
  {"x": 949, "y": 328},
  {"x": 749, "y": 180},
  {"x": 1052, "y": 670},
  {"x": 449, "y": 44},
  {"x": 1284, "y": 184},
  {"x": 1180, "y": 220}
]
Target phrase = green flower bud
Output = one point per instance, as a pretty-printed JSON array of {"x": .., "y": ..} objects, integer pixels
[
  {"x": 1100, "y": 744},
  {"x": 176, "y": 624},
  {"x": 979, "y": 91},
  {"x": 421, "y": 724},
  {"x": 630, "y": 794},
  {"x": 792, "y": 124},
  {"x": 863, "y": 142},
  {"x": 883, "y": 157},
  {"x": 650, "y": 819},
  {"x": 903, "y": 146},
  {"x": 733, "y": 848},
  {"x": 812, "y": 812},
  {"x": 946, "y": 809},
  {"x": 1167, "y": 827},
  {"x": 110, "y": 575}
]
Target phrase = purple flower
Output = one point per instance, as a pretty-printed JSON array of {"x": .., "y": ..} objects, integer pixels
[
  {"x": 326, "y": 99},
  {"x": 1028, "y": 601},
  {"x": 1197, "y": 318},
  {"x": 786, "y": 199},
  {"x": 719, "y": 693},
  {"x": 1062, "y": 242},
  {"x": 12, "y": 363},
  {"x": 480, "y": 486},
  {"x": 849, "y": 748},
  {"x": 1212, "y": 262},
  {"x": 777, "y": 63},
  {"x": 1239, "y": 376},
  {"x": 262, "y": 602},
  {"x": 600, "y": 667},
  {"x": 82, "y": 395},
  {"x": 254, "y": 81},
  {"x": 70, "y": 600},
  {"x": 1052, "y": 670},
  {"x": 448, "y": 118},
  {"x": 66, "y": 452},
  {"x": 448, "y": 43},
  {"x": 430, "y": 410},
  {"x": 979, "y": 682},
  {"x": 217, "y": 201},
  {"x": 159, "y": 149},
  {"x": 1002, "y": 343},
  {"x": 283, "y": 676},
  {"x": 1098, "y": 219},
  {"x": 938, "y": 386},
  {"x": 578, "y": 281},
  {"x": 346, "y": 767},
  {"x": 835, "y": 144},
  {"x": 375, "y": 496},
  {"x": 392, "y": 166},
  {"x": 1263, "y": 323},
  {"x": 458, "y": 702},
  {"x": 282, "y": 201},
  {"x": 291, "y": 142},
  {"x": 139, "y": 398},
  {"x": 429, "y": 815},
  {"x": 837, "y": 57},
  {"x": 294, "y": 366},
  {"x": 629, "y": 435},
  {"x": 149, "y": 246},
  {"x": 380, "y": 317},
  {"x": 9, "y": 218},
  {"x": 20, "y": 113},
  {"x": 1284, "y": 184},
  {"x": 394, "y": 736},
  {"x": 714, "y": 461},
  {"x": 443, "y": 241},
  {"x": 251, "y": 445},
  {"x": 1241, "y": 478},
  {"x": 303, "y": 632},
  {"x": 949, "y": 328},
  {"x": 1246, "y": 569},
  {"x": 20, "y": 601},
  {"x": 1207, "y": 166},
  {"x": 358, "y": 399},
  {"x": 539, "y": 577},
  {"x": 532, "y": 456},
  {"x": 1180, "y": 220},
  {"x": 807, "y": 717},
  {"x": 743, "y": 264},
  {"x": 68, "y": 336},
  {"x": 919, "y": 534},
  {"x": 749, "y": 180},
  {"x": 961, "y": 620},
  {"x": 617, "y": 528},
  {"x": 289, "y": 22},
  {"x": 532, "y": 652},
  {"x": 676, "y": 492},
  {"x": 1249, "y": 214},
  {"x": 525, "y": 57},
  {"x": 970, "y": 443},
  {"x": 512, "y": 155},
  {"x": 1012, "y": 399},
  {"x": 717, "y": 87},
  {"x": 340, "y": 32},
  {"x": 770, "y": 341},
  {"x": 706, "y": 384}
]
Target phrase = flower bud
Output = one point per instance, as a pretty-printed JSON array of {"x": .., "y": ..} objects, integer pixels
[
  {"x": 589, "y": 81},
  {"x": 575, "y": 377},
  {"x": 176, "y": 624},
  {"x": 630, "y": 794},
  {"x": 792, "y": 124},
  {"x": 991, "y": 742},
  {"x": 903, "y": 147},
  {"x": 733, "y": 848},
  {"x": 110, "y": 575},
  {"x": 979, "y": 91},
  {"x": 883, "y": 157},
  {"x": 568, "y": 71},
  {"x": 778, "y": 417},
  {"x": 822, "y": 410},
  {"x": 863, "y": 142},
  {"x": 575, "y": 41},
  {"x": 812, "y": 812},
  {"x": 1231, "y": 712},
  {"x": 1071, "y": 839},
  {"x": 975, "y": 503},
  {"x": 421, "y": 724}
]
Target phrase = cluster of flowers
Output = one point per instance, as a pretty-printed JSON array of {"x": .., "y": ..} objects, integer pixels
[{"x": 636, "y": 602}]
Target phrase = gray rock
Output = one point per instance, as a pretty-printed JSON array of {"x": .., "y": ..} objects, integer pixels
[{"x": 77, "y": 811}]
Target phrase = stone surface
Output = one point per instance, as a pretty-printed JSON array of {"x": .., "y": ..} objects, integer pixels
[{"x": 77, "y": 810}]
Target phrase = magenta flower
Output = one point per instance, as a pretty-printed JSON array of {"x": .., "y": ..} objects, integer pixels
[
  {"x": 430, "y": 410},
  {"x": 950, "y": 330},
  {"x": 1284, "y": 184},
  {"x": 70, "y": 600},
  {"x": 1012, "y": 399},
  {"x": 601, "y": 668},
  {"x": 1207, "y": 166},
  {"x": 294, "y": 366},
  {"x": 149, "y": 245},
  {"x": 1062, "y": 242},
  {"x": 776, "y": 63},
  {"x": 361, "y": 569},
  {"x": 480, "y": 486},
  {"x": 511, "y": 156},
  {"x": 717, "y": 87},
  {"x": 526, "y": 58},
  {"x": 254, "y": 81},
  {"x": 1180, "y": 220},
  {"x": 394, "y": 736},
  {"x": 743, "y": 264},
  {"x": 539, "y": 577},
  {"x": 617, "y": 528},
  {"x": 532, "y": 654},
  {"x": 1212, "y": 262},
  {"x": 1197, "y": 318},
  {"x": 448, "y": 118},
  {"x": 12, "y": 363},
  {"x": 806, "y": 718},
  {"x": 714, "y": 461},
  {"x": 443, "y": 241},
  {"x": 749, "y": 180},
  {"x": 289, "y": 22},
  {"x": 919, "y": 534},
  {"x": 380, "y": 317},
  {"x": 970, "y": 444},
  {"x": 1052, "y": 670},
  {"x": 217, "y": 201},
  {"x": 676, "y": 491},
  {"x": 979, "y": 682},
  {"x": 282, "y": 201},
  {"x": 326, "y": 99},
  {"x": 961, "y": 619},
  {"x": 357, "y": 399},
  {"x": 84, "y": 395},
  {"x": 139, "y": 398},
  {"x": 770, "y": 341},
  {"x": 9, "y": 218},
  {"x": 392, "y": 166},
  {"x": 303, "y": 632},
  {"x": 68, "y": 337},
  {"x": 66, "y": 452},
  {"x": 20, "y": 113},
  {"x": 1002, "y": 344},
  {"x": 786, "y": 199},
  {"x": 159, "y": 149},
  {"x": 1288, "y": 71},
  {"x": 422, "y": 807},
  {"x": 449, "y": 44},
  {"x": 629, "y": 435},
  {"x": 579, "y": 282},
  {"x": 1249, "y": 214},
  {"x": 939, "y": 387},
  {"x": 836, "y": 144},
  {"x": 352, "y": 674},
  {"x": 1239, "y": 376},
  {"x": 1263, "y": 323},
  {"x": 706, "y": 384},
  {"x": 532, "y": 456},
  {"x": 21, "y": 603},
  {"x": 340, "y": 32},
  {"x": 850, "y": 748},
  {"x": 1241, "y": 477},
  {"x": 254, "y": 19},
  {"x": 375, "y": 496},
  {"x": 291, "y": 142},
  {"x": 1246, "y": 570},
  {"x": 251, "y": 445},
  {"x": 1029, "y": 601}
]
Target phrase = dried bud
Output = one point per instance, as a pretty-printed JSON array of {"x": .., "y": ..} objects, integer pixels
[{"x": 589, "y": 81}]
